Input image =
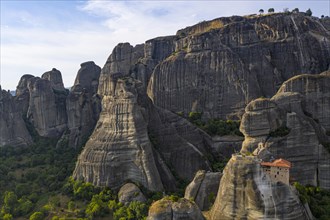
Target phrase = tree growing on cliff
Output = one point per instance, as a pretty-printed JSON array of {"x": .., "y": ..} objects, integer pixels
[
  {"x": 271, "y": 10},
  {"x": 261, "y": 11},
  {"x": 296, "y": 10},
  {"x": 309, "y": 12}
]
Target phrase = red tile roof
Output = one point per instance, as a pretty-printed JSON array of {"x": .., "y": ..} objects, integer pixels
[{"x": 277, "y": 163}]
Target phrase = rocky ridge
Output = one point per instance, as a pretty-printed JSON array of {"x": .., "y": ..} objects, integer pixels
[
  {"x": 246, "y": 192},
  {"x": 135, "y": 141},
  {"x": 301, "y": 106}
]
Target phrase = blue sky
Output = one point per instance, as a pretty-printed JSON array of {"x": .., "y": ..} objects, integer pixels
[{"x": 39, "y": 35}]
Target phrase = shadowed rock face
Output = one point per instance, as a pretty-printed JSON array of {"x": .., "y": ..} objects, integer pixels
[
  {"x": 302, "y": 104},
  {"x": 83, "y": 105},
  {"x": 47, "y": 110},
  {"x": 220, "y": 66},
  {"x": 245, "y": 192},
  {"x": 203, "y": 189},
  {"x": 12, "y": 127}
]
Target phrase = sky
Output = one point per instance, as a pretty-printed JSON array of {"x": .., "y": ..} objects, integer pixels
[{"x": 39, "y": 35}]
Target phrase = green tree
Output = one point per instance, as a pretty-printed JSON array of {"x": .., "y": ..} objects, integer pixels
[
  {"x": 7, "y": 216},
  {"x": 296, "y": 10},
  {"x": 37, "y": 216},
  {"x": 9, "y": 202},
  {"x": 24, "y": 206},
  {"x": 261, "y": 11},
  {"x": 271, "y": 10},
  {"x": 309, "y": 12}
]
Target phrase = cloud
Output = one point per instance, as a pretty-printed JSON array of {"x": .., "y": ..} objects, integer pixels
[{"x": 65, "y": 34}]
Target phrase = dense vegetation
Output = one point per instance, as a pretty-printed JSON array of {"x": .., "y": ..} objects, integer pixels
[
  {"x": 318, "y": 200},
  {"x": 35, "y": 184},
  {"x": 215, "y": 126}
]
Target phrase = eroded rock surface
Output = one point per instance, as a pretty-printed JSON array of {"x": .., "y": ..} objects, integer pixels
[
  {"x": 203, "y": 189},
  {"x": 129, "y": 193},
  {"x": 134, "y": 140},
  {"x": 166, "y": 209},
  {"x": 219, "y": 66},
  {"x": 12, "y": 127},
  {"x": 246, "y": 192},
  {"x": 302, "y": 104},
  {"x": 83, "y": 105},
  {"x": 47, "y": 108}
]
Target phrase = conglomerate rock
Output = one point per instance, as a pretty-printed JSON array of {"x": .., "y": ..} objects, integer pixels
[
  {"x": 219, "y": 66},
  {"x": 246, "y": 192},
  {"x": 47, "y": 108},
  {"x": 166, "y": 209},
  {"x": 302, "y": 106},
  {"x": 12, "y": 127},
  {"x": 83, "y": 105},
  {"x": 203, "y": 189}
]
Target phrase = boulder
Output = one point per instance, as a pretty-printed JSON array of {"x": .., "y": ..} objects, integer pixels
[
  {"x": 203, "y": 189},
  {"x": 247, "y": 192},
  {"x": 166, "y": 209},
  {"x": 129, "y": 193}
]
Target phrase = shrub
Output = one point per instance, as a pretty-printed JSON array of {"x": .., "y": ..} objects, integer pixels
[
  {"x": 271, "y": 10},
  {"x": 309, "y": 12},
  {"x": 37, "y": 216},
  {"x": 280, "y": 132}
]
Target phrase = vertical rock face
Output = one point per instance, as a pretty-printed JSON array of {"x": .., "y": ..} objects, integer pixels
[
  {"x": 220, "y": 66},
  {"x": 47, "y": 110},
  {"x": 12, "y": 127},
  {"x": 22, "y": 93},
  {"x": 55, "y": 78},
  {"x": 83, "y": 105},
  {"x": 203, "y": 189},
  {"x": 302, "y": 104},
  {"x": 246, "y": 192},
  {"x": 120, "y": 148}
]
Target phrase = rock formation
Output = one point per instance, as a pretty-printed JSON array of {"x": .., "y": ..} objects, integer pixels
[
  {"x": 166, "y": 209},
  {"x": 133, "y": 140},
  {"x": 47, "y": 110},
  {"x": 302, "y": 105},
  {"x": 83, "y": 105},
  {"x": 129, "y": 193},
  {"x": 203, "y": 189},
  {"x": 219, "y": 66},
  {"x": 246, "y": 192},
  {"x": 12, "y": 127}
]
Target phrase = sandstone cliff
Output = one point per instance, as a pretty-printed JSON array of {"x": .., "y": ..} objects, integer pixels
[
  {"x": 203, "y": 189},
  {"x": 12, "y": 127},
  {"x": 47, "y": 109},
  {"x": 301, "y": 108},
  {"x": 219, "y": 66},
  {"x": 166, "y": 209},
  {"x": 83, "y": 105},
  {"x": 246, "y": 192},
  {"x": 134, "y": 140}
]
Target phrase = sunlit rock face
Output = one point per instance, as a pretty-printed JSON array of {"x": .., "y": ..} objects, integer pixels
[
  {"x": 219, "y": 66},
  {"x": 120, "y": 148},
  {"x": 246, "y": 192},
  {"x": 302, "y": 105}
]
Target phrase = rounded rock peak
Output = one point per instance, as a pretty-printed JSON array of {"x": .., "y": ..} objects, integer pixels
[
  {"x": 260, "y": 104},
  {"x": 55, "y": 77},
  {"x": 87, "y": 63}
]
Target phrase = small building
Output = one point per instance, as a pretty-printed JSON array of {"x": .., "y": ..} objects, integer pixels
[{"x": 278, "y": 170}]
